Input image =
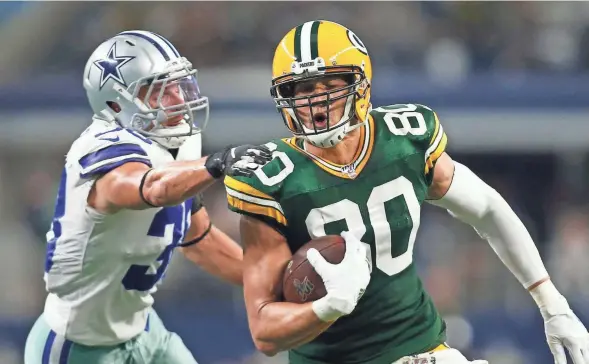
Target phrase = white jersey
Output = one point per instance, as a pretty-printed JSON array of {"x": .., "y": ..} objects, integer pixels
[{"x": 101, "y": 270}]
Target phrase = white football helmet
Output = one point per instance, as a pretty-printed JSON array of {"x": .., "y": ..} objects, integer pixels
[{"x": 138, "y": 61}]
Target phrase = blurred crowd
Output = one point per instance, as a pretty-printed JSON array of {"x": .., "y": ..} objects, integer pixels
[{"x": 461, "y": 37}]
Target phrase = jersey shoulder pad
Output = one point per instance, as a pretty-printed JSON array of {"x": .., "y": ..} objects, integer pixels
[
  {"x": 420, "y": 124},
  {"x": 259, "y": 194},
  {"x": 101, "y": 149},
  {"x": 191, "y": 149}
]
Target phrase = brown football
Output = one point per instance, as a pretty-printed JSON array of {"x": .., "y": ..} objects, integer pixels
[{"x": 301, "y": 283}]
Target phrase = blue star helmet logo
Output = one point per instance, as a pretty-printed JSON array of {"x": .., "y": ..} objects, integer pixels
[{"x": 111, "y": 66}]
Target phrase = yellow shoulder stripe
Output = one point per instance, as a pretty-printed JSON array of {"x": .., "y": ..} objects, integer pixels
[
  {"x": 433, "y": 157},
  {"x": 252, "y": 208},
  {"x": 243, "y": 197},
  {"x": 245, "y": 188}
]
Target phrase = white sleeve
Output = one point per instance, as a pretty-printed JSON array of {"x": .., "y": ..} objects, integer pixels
[
  {"x": 474, "y": 202},
  {"x": 99, "y": 154}
]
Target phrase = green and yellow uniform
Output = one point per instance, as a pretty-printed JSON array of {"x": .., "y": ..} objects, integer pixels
[{"x": 378, "y": 197}]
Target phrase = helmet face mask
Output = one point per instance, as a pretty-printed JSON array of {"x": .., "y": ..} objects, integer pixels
[
  {"x": 303, "y": 120},
  {"x": 157, "y": 108},
  {"x": 138, "y": 80},
  {"x": 316, "y": 52}
]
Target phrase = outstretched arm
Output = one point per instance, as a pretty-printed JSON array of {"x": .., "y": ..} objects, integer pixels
[
  {"x": 466, "y": 197},
  {"x": 135, "y": 186},
  {"x": 471, "y": 200}
]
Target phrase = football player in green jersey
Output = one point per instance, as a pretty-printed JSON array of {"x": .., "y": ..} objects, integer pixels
[{"x": 364, "y": 173}]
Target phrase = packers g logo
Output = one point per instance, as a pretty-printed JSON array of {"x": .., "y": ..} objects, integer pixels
[{"x": 356, "y": 42}]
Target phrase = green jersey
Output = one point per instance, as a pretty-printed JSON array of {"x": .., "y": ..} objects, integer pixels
[{"x": 378, "y": 197}]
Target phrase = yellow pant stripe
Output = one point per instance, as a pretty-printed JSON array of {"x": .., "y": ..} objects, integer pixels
[{"x": 440, "y": 348}]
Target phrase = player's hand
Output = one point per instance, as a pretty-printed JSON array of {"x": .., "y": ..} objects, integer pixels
[
  {"x": 565, "y": 330},
  {"x": 345, "y": 282},
  {"x": 238, "y": 161}
]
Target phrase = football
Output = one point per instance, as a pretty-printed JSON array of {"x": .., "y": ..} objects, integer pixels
[{"x": 301, "y": 283}]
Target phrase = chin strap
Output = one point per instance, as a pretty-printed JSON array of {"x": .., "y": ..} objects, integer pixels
[{"x": 326, "y": 143}]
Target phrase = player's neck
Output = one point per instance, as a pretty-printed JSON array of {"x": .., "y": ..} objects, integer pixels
[{"x": 342, "y": 153}]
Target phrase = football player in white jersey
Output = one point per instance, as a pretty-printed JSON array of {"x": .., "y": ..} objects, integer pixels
[{"x": 128, "y": 196}]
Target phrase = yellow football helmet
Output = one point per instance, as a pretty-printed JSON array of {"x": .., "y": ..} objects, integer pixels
[{"x": 316, "y": 49}]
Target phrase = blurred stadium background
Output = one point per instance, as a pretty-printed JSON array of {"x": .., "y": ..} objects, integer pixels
[{"x": 509, "y": 80}]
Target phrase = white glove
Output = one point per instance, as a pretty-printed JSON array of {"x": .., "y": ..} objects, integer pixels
[
  {"x": 563, "y": 327},
  {"x": 345, "y": 282},
  {"x": 565, "y": 330}
]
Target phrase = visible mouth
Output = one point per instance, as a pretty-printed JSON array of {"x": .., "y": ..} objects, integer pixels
[
  {"x": 174, "y": 121},
  {"x": 320, "y": 120}
]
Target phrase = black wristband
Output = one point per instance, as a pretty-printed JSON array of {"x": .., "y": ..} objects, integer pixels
[
  {"x": 214, "y": 165},
  {"x": 141, "y": 189},
  {"x": 198, "y": 239}
]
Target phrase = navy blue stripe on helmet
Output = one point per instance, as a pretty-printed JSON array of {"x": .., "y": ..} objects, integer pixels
[
  {"x": 150, "y": 40},
  {"x": 168, "y": 43}
]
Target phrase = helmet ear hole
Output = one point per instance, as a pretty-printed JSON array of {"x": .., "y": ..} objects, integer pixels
[
  {"x": 350, "y": 79},
  {"x": 286, "y": 90},
  {"x": 113, "y": 106}
]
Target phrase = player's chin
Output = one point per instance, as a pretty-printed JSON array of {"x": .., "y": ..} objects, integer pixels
[
  {"x": 320, "y": 125},
  {"x": 174, "y": 121}
]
